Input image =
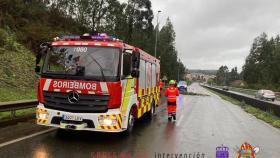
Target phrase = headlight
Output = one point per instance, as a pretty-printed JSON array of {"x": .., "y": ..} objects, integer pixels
[
  {"x": 43, "y": 116},
  {"x": 107, "y": 120}
]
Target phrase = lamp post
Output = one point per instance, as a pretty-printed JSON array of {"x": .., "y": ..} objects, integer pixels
[
  {"x": 178, "y": 69},
  {"x": 157, "y": 33}
]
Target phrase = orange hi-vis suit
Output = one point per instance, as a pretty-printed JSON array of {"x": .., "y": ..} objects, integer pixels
[{"x": 171, "y": 93}]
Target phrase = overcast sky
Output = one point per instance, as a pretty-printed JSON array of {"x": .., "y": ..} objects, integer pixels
[{"x": 211, "y": 33}]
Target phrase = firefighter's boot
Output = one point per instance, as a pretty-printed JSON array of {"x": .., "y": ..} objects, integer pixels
[
  {"x": 174, "y": 116},
  {"x": 169, "y": 117}
]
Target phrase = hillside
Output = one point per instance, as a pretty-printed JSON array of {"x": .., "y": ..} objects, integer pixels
[
  {"x": 206, "y": 72},
  {"x": 17, "y": 79},
  {"x": 23, "y": 26}
]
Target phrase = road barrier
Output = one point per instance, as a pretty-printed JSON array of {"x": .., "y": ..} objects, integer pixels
[
  {"x": 13, "y": 107},
  {"x": 263, "y": 105},
  {"x": 247, "y": 91}
]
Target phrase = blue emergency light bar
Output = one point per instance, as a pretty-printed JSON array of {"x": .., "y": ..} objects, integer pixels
[{"x": 99, "y": 37}]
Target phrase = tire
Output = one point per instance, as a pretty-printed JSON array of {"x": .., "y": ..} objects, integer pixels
[
  {"x": 273, "y": 100},
  {"x": 152, "y": 112},
  {"x": 130, "y": 123}
]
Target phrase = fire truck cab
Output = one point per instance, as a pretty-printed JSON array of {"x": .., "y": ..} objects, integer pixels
[{"x": 95, "y": 83}]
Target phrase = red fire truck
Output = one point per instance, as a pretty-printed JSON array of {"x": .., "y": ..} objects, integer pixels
[{"x": 95, "y": 83}]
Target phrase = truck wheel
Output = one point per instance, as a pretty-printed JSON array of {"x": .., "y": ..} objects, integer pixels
[
  {"x": 152, "y": 112},
  {"x": 130, "y": 123}
]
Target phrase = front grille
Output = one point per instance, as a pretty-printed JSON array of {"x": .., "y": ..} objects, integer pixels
[{"x": 88, "y": 103}]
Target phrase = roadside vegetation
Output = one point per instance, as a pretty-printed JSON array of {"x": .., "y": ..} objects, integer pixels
[
  {"x": 18, "y": 113},
  {"x": 266, "y": 116},
  {"x": 17, "y": 79}
]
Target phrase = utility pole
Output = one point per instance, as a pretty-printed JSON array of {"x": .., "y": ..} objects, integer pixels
[
  {"x": 178, "y": 69},
  {"x": 157, "y": 26}
]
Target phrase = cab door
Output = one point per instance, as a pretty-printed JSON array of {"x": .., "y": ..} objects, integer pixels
[{"x": 129, "y": 96}]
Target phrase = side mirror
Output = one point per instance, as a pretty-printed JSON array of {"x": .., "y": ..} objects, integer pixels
[
  {"x": 135, "y": 73},
  {"x": 43, "y": 49},
  {"x": 135, "y": 60},
  {"x": 135, "y": 64}
]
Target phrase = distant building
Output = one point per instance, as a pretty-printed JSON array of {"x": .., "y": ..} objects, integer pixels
[{"x": 199, "y": 76}]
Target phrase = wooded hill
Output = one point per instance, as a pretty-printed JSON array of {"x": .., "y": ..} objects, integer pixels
[{"x": 27, "y": 23}]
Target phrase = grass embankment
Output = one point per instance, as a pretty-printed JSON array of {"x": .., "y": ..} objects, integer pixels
[
  {"x": 13, "y": 95},
  {"x": 19, "y": 113},
  {"x": 266, "y": 116},
  {"x": 17, "y": 77}
]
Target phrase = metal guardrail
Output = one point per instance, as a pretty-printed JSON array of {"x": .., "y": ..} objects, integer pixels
[
  {"x": 263, "y": 105},
  {"x": 13, "y": 107},
  {"x": 247, "y": 91}
]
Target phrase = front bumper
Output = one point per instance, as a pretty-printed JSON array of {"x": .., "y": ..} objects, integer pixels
[{"x": 89, "y": 121}]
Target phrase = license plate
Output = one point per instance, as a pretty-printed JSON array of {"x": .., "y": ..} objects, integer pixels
[{"x": 72, "y": 118}]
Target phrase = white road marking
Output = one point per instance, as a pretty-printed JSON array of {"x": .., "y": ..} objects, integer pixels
[
  {"x": 27, "y": 137},
  {"x": 180, "y": 120}
]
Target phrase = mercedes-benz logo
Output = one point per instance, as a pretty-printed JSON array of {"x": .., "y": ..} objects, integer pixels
[{"x": 73, "y": 97}]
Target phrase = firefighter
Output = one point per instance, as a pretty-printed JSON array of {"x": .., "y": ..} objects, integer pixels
[{"x": 171, "y": 93}]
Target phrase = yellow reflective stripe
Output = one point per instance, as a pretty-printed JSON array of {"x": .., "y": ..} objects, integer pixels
[
  {"x": 139, "y": 92},
  {"x": 139, "y": 112},
  {"x": 145, "y": 109},
  {"x": 119, "y": 121},
  {"x": 149, "y": 106},
  {"x": 126, "y": 96},
  {"x": 142, "y": 102}
]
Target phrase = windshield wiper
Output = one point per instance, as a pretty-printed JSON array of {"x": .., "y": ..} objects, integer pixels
[{"x": 100, "y": 67}]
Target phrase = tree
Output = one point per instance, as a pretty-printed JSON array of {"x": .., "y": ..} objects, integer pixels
[
  {"x": 168, "y": 53},
  {"x": 262, "y": 65},
  {"x": 222, "y": 76},
  {"x": 233, "y": 75}
]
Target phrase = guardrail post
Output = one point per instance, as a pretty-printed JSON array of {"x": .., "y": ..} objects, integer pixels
[{"x": 13, "y": 113}]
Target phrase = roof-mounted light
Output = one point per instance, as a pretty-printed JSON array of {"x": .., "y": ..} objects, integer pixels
[
  {"x": 70, "y": 37},
  {"x": 87, "y": 36}
]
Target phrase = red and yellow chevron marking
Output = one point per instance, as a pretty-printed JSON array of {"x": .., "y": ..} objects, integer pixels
[
  {"x": 146, "y": 97},
  {"x": 148, "y": 91},
  {"x": 42, "y": 121},
  {"x": 115, "y": 127},
  {"x": 39, "y": 110}
]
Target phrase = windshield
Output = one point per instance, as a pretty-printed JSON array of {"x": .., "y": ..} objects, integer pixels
[
  {"x": 268, "y": 91},
  {"x": 83, "y": 61},
  {"x": 182, "y": 83}
]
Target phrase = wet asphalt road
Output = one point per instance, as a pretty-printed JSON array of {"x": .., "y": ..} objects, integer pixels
[{"x": 203, "y": 123}]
